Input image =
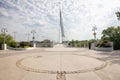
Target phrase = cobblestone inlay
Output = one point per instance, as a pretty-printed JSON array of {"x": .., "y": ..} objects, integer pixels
[
  {"x": 27, "y": 68},
  {"x": 60, "y": 75}
]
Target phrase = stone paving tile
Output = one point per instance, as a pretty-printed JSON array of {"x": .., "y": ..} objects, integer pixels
[{"x": 9, "y": 70}]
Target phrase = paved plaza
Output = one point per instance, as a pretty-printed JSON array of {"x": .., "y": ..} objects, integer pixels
[{"x": 59, "y": 63}]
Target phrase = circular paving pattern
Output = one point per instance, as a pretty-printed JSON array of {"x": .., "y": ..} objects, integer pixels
[{"x": 69, "y": 64}]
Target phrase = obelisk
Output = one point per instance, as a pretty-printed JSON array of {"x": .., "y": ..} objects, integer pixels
[{"x": 61, "y": 29}]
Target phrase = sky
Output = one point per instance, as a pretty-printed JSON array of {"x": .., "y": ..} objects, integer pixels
[{"x": 79, "y": 17}]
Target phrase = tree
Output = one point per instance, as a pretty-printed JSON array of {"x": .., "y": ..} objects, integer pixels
[
  {"x": 93, "y": 40},
  {"x": 8, "y": 40},
  {"x": 46, "y": 41},
  {"x": 112, "y": 34}
]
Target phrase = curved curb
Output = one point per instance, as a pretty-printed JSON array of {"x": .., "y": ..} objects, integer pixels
[{"x": 20, "y": 65}]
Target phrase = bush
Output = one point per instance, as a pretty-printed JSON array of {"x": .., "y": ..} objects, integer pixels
[
  {"x": 46, "y": 41},
  {"x": 13, "y": 44},
  {"x": 22, "y": 44},
  {"x": 8, "y": 40},
  {"x": 26, "y": 46},
  {"x": 76, "y": 43}
]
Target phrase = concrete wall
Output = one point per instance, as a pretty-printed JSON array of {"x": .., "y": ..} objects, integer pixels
[
  {"x": 104, "y": 49},
  {"x": 93, "y": 47}
]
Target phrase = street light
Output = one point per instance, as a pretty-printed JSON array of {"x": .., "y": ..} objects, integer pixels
[
  {"x": 94, "y": 29},
  {"x": 4, "y": 30},
  {"x": 118, "y": 15},
  {"x": 33, "y": 32}
]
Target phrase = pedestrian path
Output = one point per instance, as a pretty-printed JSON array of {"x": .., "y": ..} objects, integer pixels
[{"x": 55, "y": 64}]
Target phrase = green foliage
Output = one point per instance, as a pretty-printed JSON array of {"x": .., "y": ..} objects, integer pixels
[
  {"x": 92, "y": 41},
  {"x": 83, "y": 43},
  {"x": 46, "y": 41},
  {"x": 112, "y": 34},
  {"x": 23, "y": 44},
  {"x": 13, "y": 44},
  {"x": 76, "y": 43},
  {"x": 26, "y": 46},
  {"x": 8, "y": 40}
]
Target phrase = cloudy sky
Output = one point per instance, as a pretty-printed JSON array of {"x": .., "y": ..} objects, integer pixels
[{"x": 79, "y": 16}]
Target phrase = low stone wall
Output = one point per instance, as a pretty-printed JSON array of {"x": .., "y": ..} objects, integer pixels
[
  {"x": 104, "y": 49},
  {"x": 20, "y": 48},
  {"x": 93, "y": 47}
]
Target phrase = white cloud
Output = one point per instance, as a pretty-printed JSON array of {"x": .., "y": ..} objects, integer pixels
[
  {"x": 79, "y": 16},
  {"x": 4, "y": 12}
]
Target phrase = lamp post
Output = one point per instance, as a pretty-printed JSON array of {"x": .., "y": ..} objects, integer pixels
[
  {"x": 4, "y": 30},
  {"x": 94, "y": 29},
  {"x": 118, "y": 15},
  {"x": 33, "y": 32},
  {"x": 94, "y": 33}
]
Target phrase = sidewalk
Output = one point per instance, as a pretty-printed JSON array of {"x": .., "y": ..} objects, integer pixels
[{"x": 78, "y": 64}]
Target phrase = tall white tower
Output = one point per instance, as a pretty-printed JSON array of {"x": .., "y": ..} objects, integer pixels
[{"x": 61, "y": 29}]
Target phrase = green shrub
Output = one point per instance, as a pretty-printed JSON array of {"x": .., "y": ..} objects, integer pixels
[
  {"x": 26, "y": 46},
  {"x": 22, "y": 44}
]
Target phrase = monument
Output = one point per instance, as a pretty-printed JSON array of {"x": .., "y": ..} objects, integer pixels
[
  {"x": 61, "y": 32},
  {"x": 61, "y": 29}
]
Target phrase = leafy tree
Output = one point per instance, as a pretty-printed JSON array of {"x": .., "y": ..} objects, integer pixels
[
  {"x": 76, "y": 43},
  {"x": 8, "y": 40},
  {"x": 84, "y": 43},
  {"x": 92, "y": 40},
  {"x": 73, "y": 43},
  {"x": 112, "y": 34},
  {"x": 46, "y": 41}
]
